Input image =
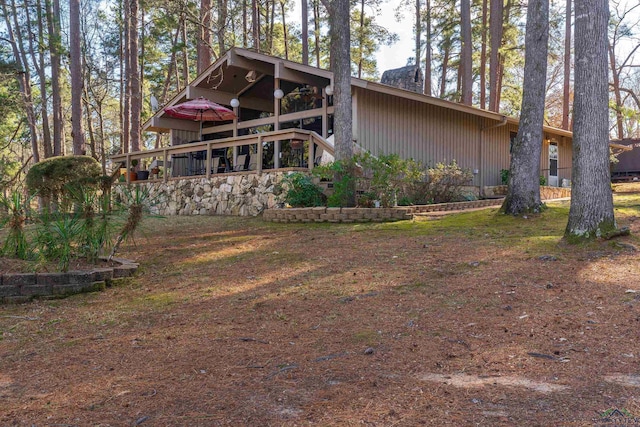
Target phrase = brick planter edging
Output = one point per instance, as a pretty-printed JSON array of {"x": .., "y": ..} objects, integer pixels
[
  {"x": 22, "y": 287},
  {"x": 348, "y": 215}
]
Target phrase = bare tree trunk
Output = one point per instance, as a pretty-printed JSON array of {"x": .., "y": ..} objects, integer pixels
[
  {"x": 222, "y": 25},
  {"x": 185, "y": 52},
  {"x": 523, "y": 195},
  {"x": 591, "y": 213},
  {"x": 616, "y": 92},
  {"x": 339, "y": 17},
  {"x": 53, "y": 25},
  {"x": 23, "y": 76},
  {"x": 495, "y": 30},
  {"x": 427, "y": 59},
  {"x": 75, "y": 63},
  {"x": 136, "y": 101},
  {"x": 418, "y": 34},
  {"x": 316, "y": 33},
  {"x": 284, "y": 29},
  {"x": 126, "y": 81},
  {"x": 270, "y": 12},
  {"x": 305, "y": 31},
  {"x": 445, "y": 68},
  {"x": 483, "y": 58},
  {"x": 255, "y": 24},
  {"x": 466, "y": 59},
  {"x": 245, "y": 27},
  {"x": 203, "y": 43},
  {"x": 567, "y": 68},
  {"x": 39, "y": 64},
  {"x": 361, "y": 40}
]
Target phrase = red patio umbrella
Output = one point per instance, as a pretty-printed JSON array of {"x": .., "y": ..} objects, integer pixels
[{"x": 201, "y": 110}]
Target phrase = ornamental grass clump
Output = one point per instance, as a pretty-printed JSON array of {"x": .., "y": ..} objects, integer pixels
[{"x": 17, "y": 209}]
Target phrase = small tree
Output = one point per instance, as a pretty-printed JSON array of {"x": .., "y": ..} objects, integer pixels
[{"x": 51, "y": 177}]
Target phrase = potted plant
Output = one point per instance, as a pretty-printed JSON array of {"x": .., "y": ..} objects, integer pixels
[{"x": 133, "y": 175}]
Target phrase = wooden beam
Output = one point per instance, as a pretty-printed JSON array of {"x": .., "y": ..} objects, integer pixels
[
  {"x": 284, "y": 73},
  {"x": 237, "y": 61},
  {"x": 225, "y": 98},
  {"x": 169, "y": 123}
]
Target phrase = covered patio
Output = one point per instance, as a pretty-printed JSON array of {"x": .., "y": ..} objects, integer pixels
[{"x": 283, "y": 118}]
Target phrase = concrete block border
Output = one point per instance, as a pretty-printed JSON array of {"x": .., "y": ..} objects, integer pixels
[
  {"x": 23, "y": 287},
  {"x": 349, "y": 215}
]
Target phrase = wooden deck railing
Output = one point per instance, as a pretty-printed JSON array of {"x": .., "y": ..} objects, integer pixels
[{"x": 188, "y": 150}]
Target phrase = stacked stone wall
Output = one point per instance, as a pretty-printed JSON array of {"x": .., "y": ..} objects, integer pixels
[{"x": 246, "y": 194}]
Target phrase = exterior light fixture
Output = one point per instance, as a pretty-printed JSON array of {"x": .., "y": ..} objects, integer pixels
[
  {"x": 235, "y": 103},
  {"x": 278, "y": 94},
  {"x": 328, "y": 90}
]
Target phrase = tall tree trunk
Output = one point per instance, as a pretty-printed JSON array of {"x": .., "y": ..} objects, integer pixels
[
  {"x": 305, "y": 31},
  {"x": 125, "y": 80},
  {"x": 222, "y": 25},
  {"x": 495, "y": 32},
  {"x": 136, "y": 101},
  {"x": 361, "y": 40},
  {"x": 286, "y": 38},
  {"x": 427, "y": 48},
  {"x": 483, "y": 58},
  {"x": 255, "y": 24},
  {"x": 523, "y": 194},
  {"x": 40, "y": 68},
  {"x": 445, "y": 68},
  {"x": 316, "y": 32},
  {"x": 418, "y": 34},
  {"x": 466, "y": 58},
  {"x": 615, "y": 73},
  {"x": 339, "y": 16},
  {"x": 75, "y": 63},
  {"x": 53, "y": 26},
  {"x": 185, "y": 52},
  {"x": 23, "y": 76},
  {"x": 591, "y": 213},
  {"x": 203, "y": 43},
  {"x": 245, "y": 26},
  {"x": 566, "y": 92}
]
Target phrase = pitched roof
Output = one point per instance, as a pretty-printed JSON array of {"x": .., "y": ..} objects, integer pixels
[{"x": 237, "y": 59}]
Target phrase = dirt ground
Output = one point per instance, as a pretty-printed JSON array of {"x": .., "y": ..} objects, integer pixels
[{"x": 468, "y": 319}]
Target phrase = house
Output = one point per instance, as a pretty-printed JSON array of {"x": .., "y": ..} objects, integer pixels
[
  {"x": 282, "y": 105},
  {"x": 627, "y": 152}
]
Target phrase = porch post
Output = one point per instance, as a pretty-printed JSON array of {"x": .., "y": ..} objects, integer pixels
[
  {"x": 259, "y": 154},
  {"x": 208, "y": 159},
  {"x": 165, "y": 175},
  {"x": 276, "y": 125}
]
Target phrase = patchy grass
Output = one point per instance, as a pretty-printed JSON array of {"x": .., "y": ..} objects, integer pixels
[{"x": 474, "y": 318}]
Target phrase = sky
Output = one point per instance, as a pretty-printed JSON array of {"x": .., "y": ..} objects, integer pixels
[{"x": 396, "y": 55}]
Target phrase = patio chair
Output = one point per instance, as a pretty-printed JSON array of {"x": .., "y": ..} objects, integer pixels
[
  {"x": 215, "y": 164},
  {"x": 240, "y": 163},
  {"x": 253, "y": 164}
]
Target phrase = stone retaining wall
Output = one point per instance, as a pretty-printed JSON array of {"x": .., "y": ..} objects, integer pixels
[
  {"x": 347, "y": 215},
  {"x": 21, "y": 287},
  {"x": 546, "y": 192},
  {"x": 239, "y": 194}
]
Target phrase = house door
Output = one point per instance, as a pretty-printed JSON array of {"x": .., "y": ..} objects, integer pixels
[{"x": 553, "y": 164}]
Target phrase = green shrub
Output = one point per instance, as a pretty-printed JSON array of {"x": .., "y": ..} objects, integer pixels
[
  {"x": 342, "y": 174},
  {"x": 16, "y": 211},
  {"x": 52, "y": 178},
  {"x": 58, "y": 238},
  {"x": 300, "y": 191},
  {"x": 442, "y": 184},
  {"x": 543, "y": 180},
  {"x": 504, "y": 176}
]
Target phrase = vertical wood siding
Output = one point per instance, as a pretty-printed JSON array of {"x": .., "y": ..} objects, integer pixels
[{"x": 388, "y": 124}]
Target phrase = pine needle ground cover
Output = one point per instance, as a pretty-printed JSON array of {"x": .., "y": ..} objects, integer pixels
[{"x": 474, "y": 318}]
